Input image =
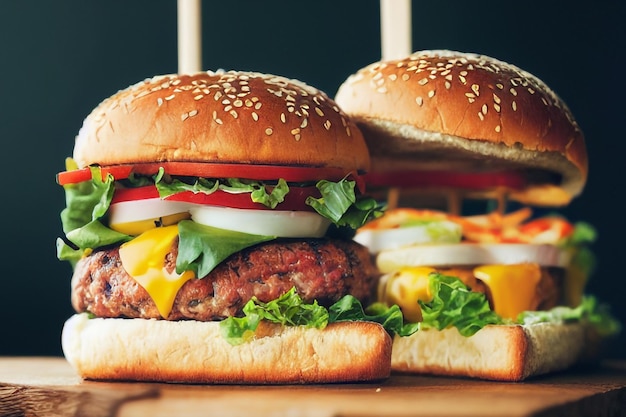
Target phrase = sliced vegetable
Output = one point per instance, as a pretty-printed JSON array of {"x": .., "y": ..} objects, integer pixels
[
  {"x": 290, "y": 310},
  {"x": 207, "y": 170}
]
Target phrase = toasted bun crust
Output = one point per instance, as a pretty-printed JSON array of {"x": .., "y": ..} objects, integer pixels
[
  {"x": 195, "y": 352},
  {"x": 447, "y": 110},
  {"x": 221, "y": 117},
  {"x": 496, "y": 352}
]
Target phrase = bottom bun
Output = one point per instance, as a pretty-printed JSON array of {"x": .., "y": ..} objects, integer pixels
[
  {"x": 195, "y": 352},
  {"x": 496, "y": 352}
]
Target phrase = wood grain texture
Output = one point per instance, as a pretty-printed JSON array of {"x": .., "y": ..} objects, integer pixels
[{"x": 49, "y": 387}]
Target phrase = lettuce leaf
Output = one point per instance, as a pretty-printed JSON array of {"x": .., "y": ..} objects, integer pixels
[
  {"x": 201, "y": 248},
  {"x": 589, "y": 311},
  {"x": 339, "y": 203},
  {"x": 349, "y": 308},
  {"x": 454, "y": 304},
  {"x": 290, "y": 310}
]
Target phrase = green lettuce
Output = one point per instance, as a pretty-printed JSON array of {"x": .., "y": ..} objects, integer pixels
[
  {"x": 290, "y": 310},
  {"x": 454, "y": 304},
  {"x": 589, "y": 311},
  {"x": 201, "y": 248}
]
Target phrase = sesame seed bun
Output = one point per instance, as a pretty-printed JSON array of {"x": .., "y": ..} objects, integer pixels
[
  {"x": 221, "y": 117},
  {"x": 453, "y": 111}
]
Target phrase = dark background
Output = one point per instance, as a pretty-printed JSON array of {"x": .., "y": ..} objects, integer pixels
[{"x": 59, "y": 59}]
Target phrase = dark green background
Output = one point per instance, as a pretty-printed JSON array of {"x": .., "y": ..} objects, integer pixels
[{"x": 59, "y": 59}]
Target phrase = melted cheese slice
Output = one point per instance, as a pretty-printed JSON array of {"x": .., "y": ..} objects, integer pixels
[
  {"x": 512, "y": 287},
  {"x": 143, "y": 259},
  {"x": 405, "y": 287}
]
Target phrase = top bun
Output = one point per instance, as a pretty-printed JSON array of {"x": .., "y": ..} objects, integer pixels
[
  {"x": 453, "y": 111},
  {"x": 221, "y": 117}
]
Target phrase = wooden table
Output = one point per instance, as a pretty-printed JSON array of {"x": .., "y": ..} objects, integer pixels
[{"x": 36, "y": 386}]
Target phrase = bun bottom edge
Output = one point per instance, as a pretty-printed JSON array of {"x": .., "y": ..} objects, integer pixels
[
  {"x": 496, "y": 352},
  {"x": 115, "y": 349}
]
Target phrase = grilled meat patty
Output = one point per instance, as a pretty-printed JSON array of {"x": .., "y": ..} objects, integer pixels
[{"x": 320, "y": 269}]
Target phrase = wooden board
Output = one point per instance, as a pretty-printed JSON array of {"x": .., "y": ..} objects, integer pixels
[{"x": 34, "y": 386}]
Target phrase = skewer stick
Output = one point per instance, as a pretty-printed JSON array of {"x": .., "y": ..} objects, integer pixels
[
  {"x": 396, "y": 31},
  {"x": 395, "y": 42},
  {"x": 189, "y": 36},
  {"x": 454, "y": 201}
]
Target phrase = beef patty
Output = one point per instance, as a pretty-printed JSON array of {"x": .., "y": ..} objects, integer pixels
[{"x": 320, "y": 269}]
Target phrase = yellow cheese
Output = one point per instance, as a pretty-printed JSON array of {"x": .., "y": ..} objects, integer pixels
[
  {"x": 138, "y": 227},
  {"x": 143, "y": 259},
  {"x": 405, "y": 287},
  {"x": 512, "y": 287}
]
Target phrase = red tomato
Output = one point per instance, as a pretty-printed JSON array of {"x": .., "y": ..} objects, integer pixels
[
  {"x": 294, "y": 200},
  {"x": 208, "y": 170},
  {"x": 561, "y": 226},
  {"x": 466, "y": 180}
]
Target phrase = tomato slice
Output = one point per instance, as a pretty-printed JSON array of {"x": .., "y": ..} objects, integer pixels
[
  {"x": 465, "y": 180},
  {"x": 209, "y": 170},
  {"x": 294, "y": 200}
]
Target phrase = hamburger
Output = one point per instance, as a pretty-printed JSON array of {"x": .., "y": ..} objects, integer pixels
[
  {"x": 208, "y": 225},
  {"x": 475, "y": 156}
]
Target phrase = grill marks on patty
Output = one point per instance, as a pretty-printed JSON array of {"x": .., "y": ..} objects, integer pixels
[{"x": 320, "y": 269}]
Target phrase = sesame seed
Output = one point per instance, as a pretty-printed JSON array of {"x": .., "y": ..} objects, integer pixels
[
  {"x": 304, "y": 123},
  {"x": 475, "y": 88},
  {"x": 481, "y": 116},
  {"x": 419, "y": 101},
  {"x": 500, "y": 86},
  {"x": 513, "y": 91},
  {"x": 423, "y": 81},
  {"x": 295, "y": 131},
  {"x": 382, "y": 90},
  {"x": 431, "y": 93},
  {"x": 514, "y": 106},
  {"x": 448, "y": 85},
  {"x": 393, "y": 77},
  {"x": 348, "y": 131},
  {"x": 238, "y": 103},
  {"x": 496, "y": 107},
  {"x": 171, "y": 96},
  {"x": 193, "y": 113},
  {"x": 269, "y": 131},
  {"x": 319, "y": 111},
  {"x": 405, "y": 77},
  {"x": 531, "y": 91},
  {"x": 258, "y": 105},
  {"x": 283, "y": 118},
  {"x": 184, "y": 116},
  {"x": 255, "y": 116},
  {"x": 228, "y": 108},
  {"x": 484, "y": 109},
  {"x": 498, "y": 128},
  {"x": 159, "y": 101},
  {"x": 327, "y": 124},
  {"x": 234, "y": 114},
  {"x": 248, "y": 103},
  {"x": 462, "y": 79},
  {"x": 496, "y": 99},
  {"x": 198, "y": 97}
]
